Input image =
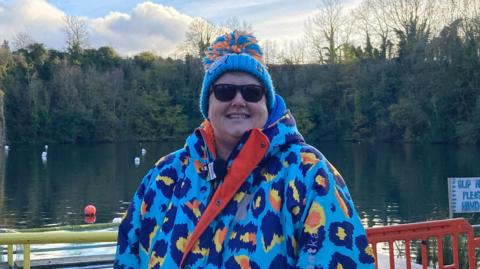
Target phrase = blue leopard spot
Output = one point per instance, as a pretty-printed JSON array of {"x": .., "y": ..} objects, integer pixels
[
  {"x": 166, "y": 160},
  {"x": 178, "y": 242},
  {"x": 341, "y": 261},
  {"x": 124, "y": 227},
  {"x": 147, "y": 227},
  {"x": 182, "y": 188},
  {"x": 320, "y": 182},
  {"x": 165, "y": 181},
  {"x": 169, "y": 219},
  {"x": 148, "y": 200},
  {"x": 245, "y": 238},
  {"x": 272, "y": 231},
  {"x": 258, "y": 203},
  {"x": 291, "y": 158},
  {"x": 341, "y": 233},
  {"x": 279, "y": 261},
  {"x": 296, "y": 191},
  {"x": 365, "y": 255}
]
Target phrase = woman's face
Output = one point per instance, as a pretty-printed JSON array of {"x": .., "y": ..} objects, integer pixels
[{"x": 231, "y": 119}]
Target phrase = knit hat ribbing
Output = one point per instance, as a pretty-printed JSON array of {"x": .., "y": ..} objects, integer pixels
[{"x": 235, "y": 51}]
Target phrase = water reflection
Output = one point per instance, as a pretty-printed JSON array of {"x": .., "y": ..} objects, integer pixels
[
  {"x": 390, "y": 183},
  {"x": 56, "y": 192},
  {"x": 397, "y": 183}
]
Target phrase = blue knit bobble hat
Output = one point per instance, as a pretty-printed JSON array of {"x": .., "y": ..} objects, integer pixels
[{"x": 235, "y": 52}]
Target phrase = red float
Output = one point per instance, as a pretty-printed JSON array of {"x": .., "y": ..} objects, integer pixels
[{"x": 90, "y": 210}]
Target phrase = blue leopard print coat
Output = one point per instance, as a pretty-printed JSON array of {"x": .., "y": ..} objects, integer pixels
[{"x": 281, "y": 205}]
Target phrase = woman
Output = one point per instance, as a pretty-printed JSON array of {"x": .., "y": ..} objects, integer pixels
[{"x": 246, "y": 191}]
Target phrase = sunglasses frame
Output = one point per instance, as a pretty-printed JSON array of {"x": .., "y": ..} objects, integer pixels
[{"x": 244, "y": 91}]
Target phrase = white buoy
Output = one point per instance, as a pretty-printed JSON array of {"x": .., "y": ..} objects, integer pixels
[
  {"x": 7, "y": 148},
  {"x": 136, "y": 161},
  {"x": 44, "y": 157},
  {"x": 144, "y": 151},
  {"x": 46, "y": 147}
]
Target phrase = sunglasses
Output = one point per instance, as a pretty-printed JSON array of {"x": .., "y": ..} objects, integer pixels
[{"x": 226, "y": 92}]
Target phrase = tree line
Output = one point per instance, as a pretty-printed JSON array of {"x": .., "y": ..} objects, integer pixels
[{"x": 406, "y": 82}]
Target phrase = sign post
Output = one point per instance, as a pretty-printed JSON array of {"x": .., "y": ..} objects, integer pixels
[{"x": 463, "y": 195}]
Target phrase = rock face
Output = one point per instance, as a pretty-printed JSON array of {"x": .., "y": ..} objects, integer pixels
[{"x": 2, "y": 120}]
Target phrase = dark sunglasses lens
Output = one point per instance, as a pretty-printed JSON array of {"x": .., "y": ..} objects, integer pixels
[
  {"x": 224, "y": 92},
  {"x": 252, "y": 93}
]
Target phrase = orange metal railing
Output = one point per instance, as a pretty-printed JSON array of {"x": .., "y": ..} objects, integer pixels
[{"x": 425, "y": 231}]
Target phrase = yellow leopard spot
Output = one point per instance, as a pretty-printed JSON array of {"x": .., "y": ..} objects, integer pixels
[
  {"x": 249, "y": 238},
  {"x": 308, "y": 158},
  {"x": 275, "y": 200},
  {"x": 294, "y": 245},
  {"x": 166, "y": 180},
  {"x": 257, "y": 202},
  {"x": 218, "y": 238},
  {"x": 268, "y": 176},
  {"x": 239, "y": 196},
  {"x": 296, "y": 210},
  {"x": 321, "y": 181},
  {"x": 195, "y": 207},
  {"x": 243, "y": 261},
  {"x": 296, "y": 195},
  {"x": 277, "y": 239},
  {"x": 153, "y": 233},
  {"x": 341, "y": 234},
  {"x": 181, "y": 243},
  {"x": 315, "y": 218},
  {"x": 200, "y": 251},
  {"x": 233, "y": 235}
]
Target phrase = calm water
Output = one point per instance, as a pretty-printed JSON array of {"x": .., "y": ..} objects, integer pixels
[{"x": 390, "y": 183}]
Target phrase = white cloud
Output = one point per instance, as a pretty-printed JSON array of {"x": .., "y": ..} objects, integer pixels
[
  {"x": 36, "y": 18},
  {"x": 149, "y": 27}
]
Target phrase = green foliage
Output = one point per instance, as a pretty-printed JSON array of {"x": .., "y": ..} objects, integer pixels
[{"x": 429, "y": 92}]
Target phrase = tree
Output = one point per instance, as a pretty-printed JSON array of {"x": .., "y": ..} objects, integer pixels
[
  {"x": 199, "y": 36},
  {"x": 77, "y": 34},
  {"x": 323, "y": 31},
  {"x": 22, "y": 41},
  {"x": 233, "y": 23}
]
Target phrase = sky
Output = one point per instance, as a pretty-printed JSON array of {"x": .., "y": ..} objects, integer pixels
[{"x": 132, "y": 26}]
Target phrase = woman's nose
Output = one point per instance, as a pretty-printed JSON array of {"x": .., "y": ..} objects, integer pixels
[{"x": 238, "y": 99}]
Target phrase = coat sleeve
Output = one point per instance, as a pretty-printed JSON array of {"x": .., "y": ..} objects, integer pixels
[
  {"x": 330, "y": 233},
  {"x": 127, "y": 253}
]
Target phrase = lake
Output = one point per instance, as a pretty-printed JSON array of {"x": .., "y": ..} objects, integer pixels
[{"x": 390, "y": 183}]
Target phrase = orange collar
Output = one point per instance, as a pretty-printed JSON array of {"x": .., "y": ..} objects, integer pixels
[{"x": 247, "y": 160}]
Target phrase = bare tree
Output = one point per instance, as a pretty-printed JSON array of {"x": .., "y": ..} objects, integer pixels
[
  {"x": 293, "y": 52},
  {"x": 323, "y": 30},
  {"x": 373, "y": 18},
  {"x": 233, "y": 23},
  {"x": 269, "y": 52},
  {"x": 77, "y": 33},
  {"x": 22, "y": 40},
  {"x": 199, "y": 36}
]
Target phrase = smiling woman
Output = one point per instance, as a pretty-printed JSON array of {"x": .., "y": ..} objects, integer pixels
[
  {"x": 246, "y": 191},
  {"x": 230, "y": 119}
]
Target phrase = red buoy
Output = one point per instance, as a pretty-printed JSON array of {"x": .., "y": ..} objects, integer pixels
[{"x": 90, "y": 210}]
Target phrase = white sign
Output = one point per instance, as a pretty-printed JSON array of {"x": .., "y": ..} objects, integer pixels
[{"x": 464, "y": 195}]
